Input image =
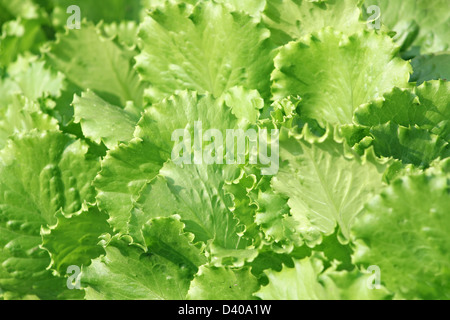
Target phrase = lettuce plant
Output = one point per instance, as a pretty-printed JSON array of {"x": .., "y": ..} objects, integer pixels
[{"x": 96, "y": 204}]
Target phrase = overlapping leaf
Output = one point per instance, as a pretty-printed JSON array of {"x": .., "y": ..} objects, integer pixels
[
  {"x": 334, "y": 74},
  {"x": 222, "y": 283},
  {"x": 432, "y": 19},
  {"x": 210, "y": 50},
  {"x": 154, "y": 223},
  {"x": 22, "y": 115},
  {"x": 292, "y": 19},
  {"x": 307, "y": 282},
  {"x": 325, "y": 188},
  {"x": 431, "y": 67},
  {"x": 73, "y": 240},
  {"x": 197, "y": 194},
  {"x": 103, "y": 122},
  {"x": 40, "y": 174},
  {"x": 78, "y": 53},
  {"x": 163, "y": 272},
  {"x": 127, "y": 168},
  {"x": 405, "y": 234},
  {"x": 410, "y": 125}
]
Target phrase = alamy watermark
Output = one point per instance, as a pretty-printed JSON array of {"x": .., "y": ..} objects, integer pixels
[
  {"x": 235, "y": 147},
  {"x": 373, "y": 22},
  {"x": 374, "y": 280},
  {"x": 73, "y": 281},
  {"x": 74, "y": 21}
]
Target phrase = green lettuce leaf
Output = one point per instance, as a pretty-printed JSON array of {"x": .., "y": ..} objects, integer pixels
[
  {"x": 18, "y": 37},
  {"x": 212, "y": 283},
  {"x": 273, "y": 216},
  {"x": 411, "y": 145},
  {"x": 125, "y": 33},
  {"x": 410, "y": 125},
  {"x": 431, "y": 67},
  {"x": 113, "y": 10},
  {"x": 292, "y": 19},
  {"x": 73, "y": 239},
  {"x": 244, "y": 206},
  {"x": 210, "y": 50},
  {"x": 78, "y": 53},
  {"x": 404, "y": 233},
  {"x": 197, "y": 194},
  {"x": 331, "y": 90},
  {"x": 325, "y": 186},
  {"x": 11, "y": 9},
  {"x": 163, "y": 272},
  {"x": 432, "y": 18},
  {"x": 127, "y": 168},
  {"x": 34, "y": 79},
  {"x": 40, "y": 173},
  {"x": 22, "y": 115},
  {"x": 251, "y": 7},
  {"x": 427, "y": 106},
  {"x": 103, "y": 122},
  {"x": 307, "y": 282}
]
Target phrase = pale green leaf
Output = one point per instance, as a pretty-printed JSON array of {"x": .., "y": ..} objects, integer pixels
[
  {"x": 307, "y": 282},
  {"x": 19, "y": 36},
  {"x": 223, "y": 283},
  {"x": 196, "y": 193},
  {"x": 78, "y": 53},
  {"x": 431, "y": 67},
  {"x": 432, "y": 17},
  {"x": 405, "y": 234},
  {"x": 164, "y": 272},
  {"x": 40, "y": 173},
  {"x": 325, "y": 188},
  {"x": 210, "y": 50},
  {"x": 127, "y": 168},
  {"x": 103, "y": 122},
  {"x": 73, "y": 240},
  {"x": 331, "y": 90},
  {"x": 292, "y": 19},
  {"x": 22, "y": 115}
]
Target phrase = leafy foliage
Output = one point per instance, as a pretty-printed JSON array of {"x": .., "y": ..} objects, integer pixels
[{"x": 89, "y": 180}]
